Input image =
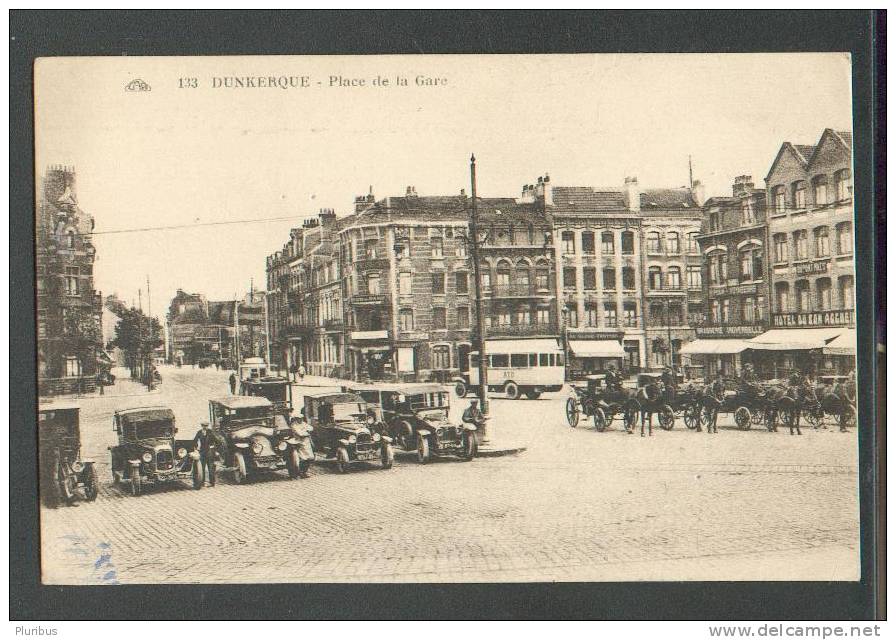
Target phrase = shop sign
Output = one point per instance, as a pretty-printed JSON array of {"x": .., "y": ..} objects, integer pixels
[
  {"x": 732, "y": 331},
  {"x": 817, "y": 319},
  {"x": 732, "y": 289},
  {"x": 809, "y": 268}
]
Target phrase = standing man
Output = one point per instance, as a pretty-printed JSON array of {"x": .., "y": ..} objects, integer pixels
[
  {"x": 294, "y": 370},
  {"x": 301, "y": 372},
  {"x": 232, "y": 383},
  {"x": 204, "y": 443}
]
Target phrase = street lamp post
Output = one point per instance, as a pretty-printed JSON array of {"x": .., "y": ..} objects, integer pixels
[{"x": 480, "y": 321}]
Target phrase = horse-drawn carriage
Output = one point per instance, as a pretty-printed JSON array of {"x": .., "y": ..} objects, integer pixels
[{"x": 751, "y": 404}]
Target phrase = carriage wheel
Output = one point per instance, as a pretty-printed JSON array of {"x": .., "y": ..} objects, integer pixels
[
  {"x": 814, "y": 416},
  {"x": 630, "y": 414},
  {"x": 572, "y": 412},
  {"x": 667, "y": 417},
  {"x": 692, "y": 416},
  {"x": 707, "y": 414},
  {"x": 756, "y": 417},
  {"x": 743, "y": 418},
  {"x": 600, "y": 419}
]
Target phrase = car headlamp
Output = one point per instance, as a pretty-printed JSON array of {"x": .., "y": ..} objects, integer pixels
[
  {"x": 352, "y": 439},
  {"x": 147, "y": 457},
  {"x": 256, "y": 447},
  {"x": 281, "y": 446},
  {"x": 376, "y": 437},
  {"x": 440, "y": 432},
  {"x": 181, "y": 452}
]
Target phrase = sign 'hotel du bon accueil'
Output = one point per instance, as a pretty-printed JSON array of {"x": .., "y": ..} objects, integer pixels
[{"x": 840, "y": 318}]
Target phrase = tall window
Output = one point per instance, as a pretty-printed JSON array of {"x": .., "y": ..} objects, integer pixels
[
  {"x": 779, "y": 198},
  {"x": 461, "y": 282},
  {"x": 715, "y": 311},
  {"x": 760, "y": 308},
  {"x": 693, "y": 245},
  {"x": 72, "y": 367},
  {"x": 726, "y": 310},
  {"x": 72, "y": 280},
  {"x": 748, "y": 309},
  {"x": 714, "y": 277},
  {"x": 609, "y": 315},
  {"x": 438, "y": 318},
  {"x": 438, "y": 246},
  {"x": 588, "y": 242},
  {"x": 822, "y": 242},
  {"x": 590, "y": 314},
  {"x": 406, "y": 319},
  {"x": 609, "y": 279},
  {"x": 569, "y": 277},
  {"x": 799, "y": 194},
  {"x": 782, "y": 297},
  {"x": 844, "y": 238},
  {"x": 589, "y": 278},
  {"x": 715, "y": 221},
  {"x": 628, "y": 278},
  {"x": 630, "y": 314},
  {"x": 542, "y": 278},
  {"x": 675, "y": 315},
  {"x": 655, "y": 278},
  {"x": 441, "y": 357},
  {"x": 657, "y": 315},
  {"x": 572, "y": 316},
  {"x": 502, "y": 318},
  {"x": 673, "y": 277},
  {"x": 823, "y": 287},
  {"x": 747, "y": 215},
  {"x": 746, "y": 265},
  {"x": 673, "y": 245},
  {"x": 801, "y": 244},
  {"x": 544, "y": 316},
  {"x": 463, "y": 317},
  {"x": 843, "y": 181},
  {"x": 568, "y": 239},
  {"x": 370, "y": 248},
  {"x": 695, "y": 277},
  {"x": 628, "y": 243},
  {"x": 521, "y": 277},
  {"x": 405, "y": 281},
  {"x": 780, "y": 240},
  {"x": 820, "y": 185},
  {"x": 653, "y": 242},
  {"x": 485, "y": 275},
  {"x": 438, "y": 283},
  {"x": 503, "y": 273},
  {"x": 847, "y": 292},
  {"x": 606, "y": 242},
  {"x": 803, "y": 296}
]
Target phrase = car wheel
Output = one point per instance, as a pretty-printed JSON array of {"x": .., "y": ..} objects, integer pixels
[
  {"x": 198, "y": 474},
  {"x": 91, "y": 485},
  {"x": 743, "y": 418},
  {"x": 343, "y": 464},
  {"x": 240, "y": 475},
  {"x": 423, "y": 454},
  {"x": 136, "y": 482},
  {"x": 293, "y": 463},
  {"x": 600, "y": 419},
  {"x": 67, "y": 481},
  {"x": 387, "y": 456},
  {"x": 460, "y": 389},
  {"x": 470, "y": 446},
  {"x": 572, "y": 412},
  {"x": 512, "y": 391}
]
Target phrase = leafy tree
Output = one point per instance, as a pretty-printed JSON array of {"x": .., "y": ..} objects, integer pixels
[
  {"x": 82, "y": 336},
  {"x": 137, "y": 335}
]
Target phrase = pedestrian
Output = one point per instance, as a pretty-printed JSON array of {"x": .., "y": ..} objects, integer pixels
[
  {"x": 232, "y": 383},
  {"x": 294, "y": 370},
  {"x": 301, "y": 372},
  {"x": 204, "y": 443},
  {"x": 472, "y": 414}
]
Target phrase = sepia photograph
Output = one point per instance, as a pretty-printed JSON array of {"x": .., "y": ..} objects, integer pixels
[{"x": 446, "y": 319}]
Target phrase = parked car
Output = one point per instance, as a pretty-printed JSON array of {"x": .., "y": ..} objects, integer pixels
[
  {"x": 255, "y": 437},
  {"x": 345, "y": 428},
  {"x": 148, "y": 453},
  {"x": 417, "y": 418},
  {"x": 274, "y": 388},
  {"x": 64, "y": 476}
]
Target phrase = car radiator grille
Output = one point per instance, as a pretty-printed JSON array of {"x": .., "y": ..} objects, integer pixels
[{"x": 164, "y": 460}]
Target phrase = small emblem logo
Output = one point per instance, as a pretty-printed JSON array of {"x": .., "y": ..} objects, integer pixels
[{"x": 137, "y": 85}]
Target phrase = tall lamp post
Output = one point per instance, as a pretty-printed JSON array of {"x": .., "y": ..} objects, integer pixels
[{"x": 480, "y": 321}]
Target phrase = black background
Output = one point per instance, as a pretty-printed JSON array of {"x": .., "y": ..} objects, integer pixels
[{"x": 65, "y": 33}]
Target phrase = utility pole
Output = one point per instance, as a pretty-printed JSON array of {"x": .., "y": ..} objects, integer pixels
[
  {"x": 252, "y": 324},
  {"x": 148, "y": 298},
  {"x": 480, "y": 321},
  {"x": 690, "y": 174},
  {"x": 267, "y": 331}
]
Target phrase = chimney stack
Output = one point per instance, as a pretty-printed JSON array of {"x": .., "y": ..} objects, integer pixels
[
  {"x": 362, "y": 202},
  {"x": 548, "y": 192},
  {"x": 743, "y": 185},
  {"x": 698, "y": 193},
  {"x": 632, "y": 194}
]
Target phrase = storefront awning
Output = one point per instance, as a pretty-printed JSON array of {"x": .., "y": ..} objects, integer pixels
[
  {"x": 714, "y": 347},
  {"x": 794, "y": 339},
  {"x": 596, "y": 349},
  {"x": 842, "y": 345},
  {"x": 535, "y": 345}
]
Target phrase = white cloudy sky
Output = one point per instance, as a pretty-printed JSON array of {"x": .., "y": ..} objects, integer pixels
[{"x": 173, "y": 156}]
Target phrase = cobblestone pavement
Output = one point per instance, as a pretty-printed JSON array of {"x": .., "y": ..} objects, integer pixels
[{"x": 576, "y": 506}]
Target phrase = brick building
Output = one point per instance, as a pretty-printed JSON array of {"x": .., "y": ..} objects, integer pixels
[
  {"x": 734, "y": 279},
  {"x": 811, "y": 263},
  {"x": 68, "y": 308}
]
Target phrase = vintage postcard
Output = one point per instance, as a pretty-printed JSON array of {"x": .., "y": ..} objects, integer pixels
[{"x": 506, "y": 318}]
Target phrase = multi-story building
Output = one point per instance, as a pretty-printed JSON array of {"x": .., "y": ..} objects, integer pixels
[
  {"x": 69, "y": 310},
  {"x": 734, "y": 279},
  {"x": 598, "y": 253},
  {"x": 671, "y": 222},
  {"x": 811, "y": 262}
]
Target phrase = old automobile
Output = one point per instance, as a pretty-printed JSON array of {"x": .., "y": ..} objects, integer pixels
[
  {"x": 148, "y": 453},
  {"x": 345, "y": 428},
  {"x": 417, "y": 418},
  {"x": 65, "y": 477},
  {"x": 274, "y": 388},
  {"x": 256, "y": 438}
]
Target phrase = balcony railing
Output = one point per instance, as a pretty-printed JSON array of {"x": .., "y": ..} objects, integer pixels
[
  {"x": 369, "y": 298},
  {"x": 516, "y": 291},
  {"x": 535, "y": 329}
]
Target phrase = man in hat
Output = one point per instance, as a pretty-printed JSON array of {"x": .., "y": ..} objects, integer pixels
[
  {"x": 204, "y": 442},
  {"x": 472, "y": 414}
]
